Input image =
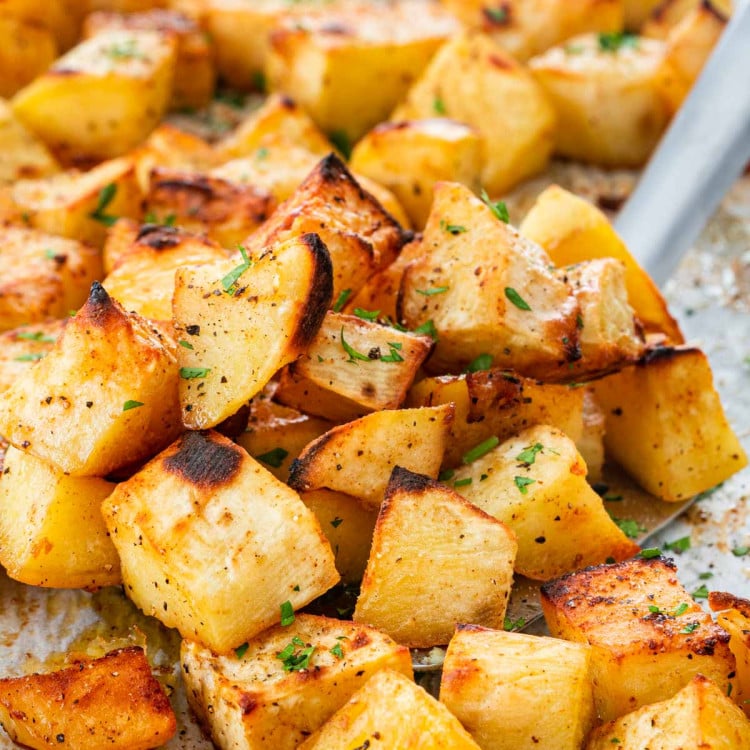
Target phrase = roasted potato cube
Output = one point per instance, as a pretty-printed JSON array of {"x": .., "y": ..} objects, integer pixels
[
  {"x": 488, "y": 291},
  {"x": 103, "y": 398},
  {"x": 498, "y": 403},
  {"x": 80, "y": 205},
  {"x": 517, "y": 692},
  {"x": 194, "y": 74},
  {"x": 606, "y": 90},
  {"x": 536, "y": 483},
  {"x": 358, "y": 458},
  {"x": 118, "y": 83},
  {"x": 42, "y": 275},
  {"x": 258, "y": 544},
  {"x": 391, "y": 711},
  {"x": 28, "y": 50},
  {"x": 573, "y": 230},
  {"x": 360, "y": 236},
  {"x": 113, "y": 702},
  {"x": 734, "y": 617},
  {"x": 473, "y": 80},
  {"x": 22, "y": 154},
  {"x": 649, "y": 638},
  {"x": 527, "y": 27},
  {"x": 698, "y": 716},
  {"x": 349, "y": 66},
  {"x": 226, "y": 211},
  {"x": 436, "y": 560},
  {"x": 244, "y": 322},
  {"x": 665, "y": 424},
  {"x": 335, "y": 659},
  {"x": 51, "y": 528},
  {"x": 143, "y": 280},
  {"x": 20, "y": 348}
]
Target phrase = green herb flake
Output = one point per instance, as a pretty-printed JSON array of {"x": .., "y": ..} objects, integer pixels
[
  {"x": 480, "y": 364},
  {"x": 337, "y": 522},
  {"x": 691, "y": 627},
  {"x": 438, "y": 105},
  {"x": 240, "y": 651},
  {"x": 579, "y": 321},
  {"x": 354, "y": 355},
  {"x": 294, "y": 660},
  {"x": 616, "y": 741},
  {"x": 191, "y": 373},
  {"x": 295, "y": 587},
  {"x": 341, "y": 140},
  {"x": 432, "y": 291},
  {"x": 523, "y": 484},
  {"x": 614, "y": 41},
  {"x": 341, "y": 300},
  {"x": 706, "y": 576},
  {"x": 679, "y": 545},
  {"x": 498, "y": 15},
  {"x": 229, "y": 282},
  {"x": 446, "y": 474},
  {"x": 366, "y": 314},
  {"x": 528, "y": 455},
  {"x": 701, "y": 592},
  {"x": 130, "y": 404},
  {"x": 287, "y": 614},
  {"x": 185, "y": 344},
  {"x": 509, "y": 624},
  {"x": 630, "y": 527},
  {"x": 465, "y": 482},
  {"x": 258, "y": 79},
  {"x": 393, "y": 354},
  {"x": 740, "y": 551},
  {"x": 106, "y": 196},
  {"x": 452, "y": 228},
  {"x": 649, "y": 553},
  {"x": 32, "y": 357},
  {"x": 427, "y": 328},
  {"x": 50, "y": 254},
  {"x": 481, "y": 450},
  {"x": 516, "y": 298},
  {"x": 274, "y": 457},
  {"x": 680, "y": 609},
  {"x": 35, "y": 336},
  {"x": 499, "y": 209},
  {"x": 654, "y": 609},
  {"x": 337, "y": 651}
]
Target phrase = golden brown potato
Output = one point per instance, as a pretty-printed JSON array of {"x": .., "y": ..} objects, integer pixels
[
  {"x": 20, "y": 348},
  {"x": 51, "y": 528},
  {"x": 698, "y": 716},
  {"x": 28, "y": 49},
  {"x": 258, "y": 544},
  {"x": 606, "y": 90},
  {"x": 591, "y": 443},
  {"x": 358, "y": 458},
  {"x": 517, "y": 692},
  {"x": 243, "y": 320},
  {"x": 649, "y": 638},
  {"x": 390, "y": 711},
  {"x": 118, "y": 83},
  {"x": 22, "y": 154},
  {"x": 60, "y": 17},
  {"x": 670, "y": 13},
  {"x": 436, "y": 560},
  {"x": 665, "y": 424},
  {"x": 253, "y": 699},
  {"x": 473, "y": 80},
  {"x": 637, "y": 12},
  {"x": 103, "y": 398},
  {"x": 734, "y": 617},
  {"x": 113, "y": 702},
  {"x": 42, "y": 276}
]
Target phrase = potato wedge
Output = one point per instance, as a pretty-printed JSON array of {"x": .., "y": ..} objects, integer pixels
[
  {"x": 28, "y": 50},
  {"x": 259, "y": 545},
  {"x": 22, "y": 154},
  {"x": 254, "y": 700},
  {"x": 649, "y": 638},
  {"x": 103, "y": 398},
  {"x": 244, "y": 322},
  {"x": 734, "y": 617},
  {"x": 358, "y": 458},
  {"x": 112, "y": 702}
]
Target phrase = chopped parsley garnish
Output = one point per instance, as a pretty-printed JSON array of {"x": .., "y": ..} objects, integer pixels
[
  {"x": 680, "y": 610},
  {"x": 432, "y": 291},
  {"x": 481, "y": 450},
  {"x": 740, "y": 551},
  {"x": 701, "y": 592},
  {"x": 439, "y": 105},
  {"x": 452, "y": 228},
  {"x": 341, "y": 300},
  {"x": 691, "y": 627},
  {"x": 230, "y": 98},
  {"x": 354, "y": 355},
  {"x": 498, "y": 15},
  {"x": 516, "y": 298},
  {"x": 446, "y": 474},
  {"x": 262, "y": 153},
  {"x": 50, "y": 254},
  {"x": 337, "y": 651},
  {"x": 274, "y": 457},
  {"x": 706, "y": 576},
  {"x": 654, "y": 609},
  {"x": 294, "y": 660},
  {"x": 229, "y": 282},
  {"x": 341, "y": 140},
  {"x": 393, "y": 353},
  {"x": 32, "y": 357},
  {"x": 35, "y": 336},
  {"x": 259, "y": 81},
  {"x": 366, "y": 314},
  {"x": 240, "y": 651},
  {"x": 509, "y": 624},
  {"x": 629, "y": 526},
  {"x": 127, "y": 50},
  {"x": 428, "y": 328},
  {"x": 579, "y": 321},
  {"x": 287, "y": 614},
  {"x": 649, "y": 552},
  {"x": 523, "y": 484},
  {"x": 191, "y": 373},
  {"x": 679, "y": 545},
  {"x": 184, "y": 343},
  {"x": 130, "y": 404},
  {"x": 337, "y": 522},
  {"x": 152, "y": 218},
  {"x": 106, "y": 196},
  {"x": 613, "y": 41},
  {"x": 528, "y": 455},
  {"x": 465, "y": 482},
  {"x": 498, "y": 208},
  {"x": 481, "y": 363}
]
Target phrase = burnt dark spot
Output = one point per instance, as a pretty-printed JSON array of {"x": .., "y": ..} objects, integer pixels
[
  {"x": 659, "y": 354},
  {"x": 204, "y": 458},
  {"x": 158, "y": 236},
  {"x": 408, "y": 481},
  {"x": 361, "y": 640},
  {"x": 298, "y": 470},
  {"x": 287, "y": 102},
  {"x": 247, "y": 703},
  {"x": 610, "y": 202},
  {"x": 321, "y": 293},
  {"x": 332, "y": 169},
  {"x": 194, "y": 330}
]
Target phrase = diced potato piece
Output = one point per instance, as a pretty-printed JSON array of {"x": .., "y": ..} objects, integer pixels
[
  {"x": 51, "y": 528},
  {"x": 390, "y": 711},
  {"x": 143, "y": 280},
  {"x": 349, "y": 66},
  {"x": 194, "y": 74},
  {"x": 367, "y": 363},
  {"x": 665, "y": 424},
  {"x": 81, "y": 205},
  {"x": 257, "y": 702},
  {"x": 112, "y": 702},
  {"x": 670, "y": 13},
  {"x": 103, "y": 398},
  {"x": 279, "y": 117},
  {"x": 20, "y": 348},
  {"x": 436, "y": 560},
  {"x": 348, "y": 526},
  {"x": 22, "y": 154},
  {"x": 473, "y": 80},
  {"x": 498, "y": 403},
  {"x": 637, "y": 12},
  {"x": 649, "y": 638},
  {"x": 358, "y": 458},
  {"x": 410, "y": 157},
  {"x": 607, "y": 96},
  {"x": 244, "y": 322},
  {"x": 118, "y": 83},
  {"x": 734, "y": 617},
  {"x": 226, "y": 211},
  {"x": 573, "y": 230},
  {"x": 698, "y": 716},
  {"x": 258, "y": 544},
  {"x": 42, "y": 275},
  {"x": 536, "y": 483},
  {"x": 360, "y": 236},
  {"x": 487, "y": 290},
  {"x": 28, "y": 50},
  {"x": 591, "y": 443},
  {"x": 517, "y": 692}
]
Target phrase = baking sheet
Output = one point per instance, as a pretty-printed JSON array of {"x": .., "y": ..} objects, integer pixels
[{"x": 710, "y": 295}]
